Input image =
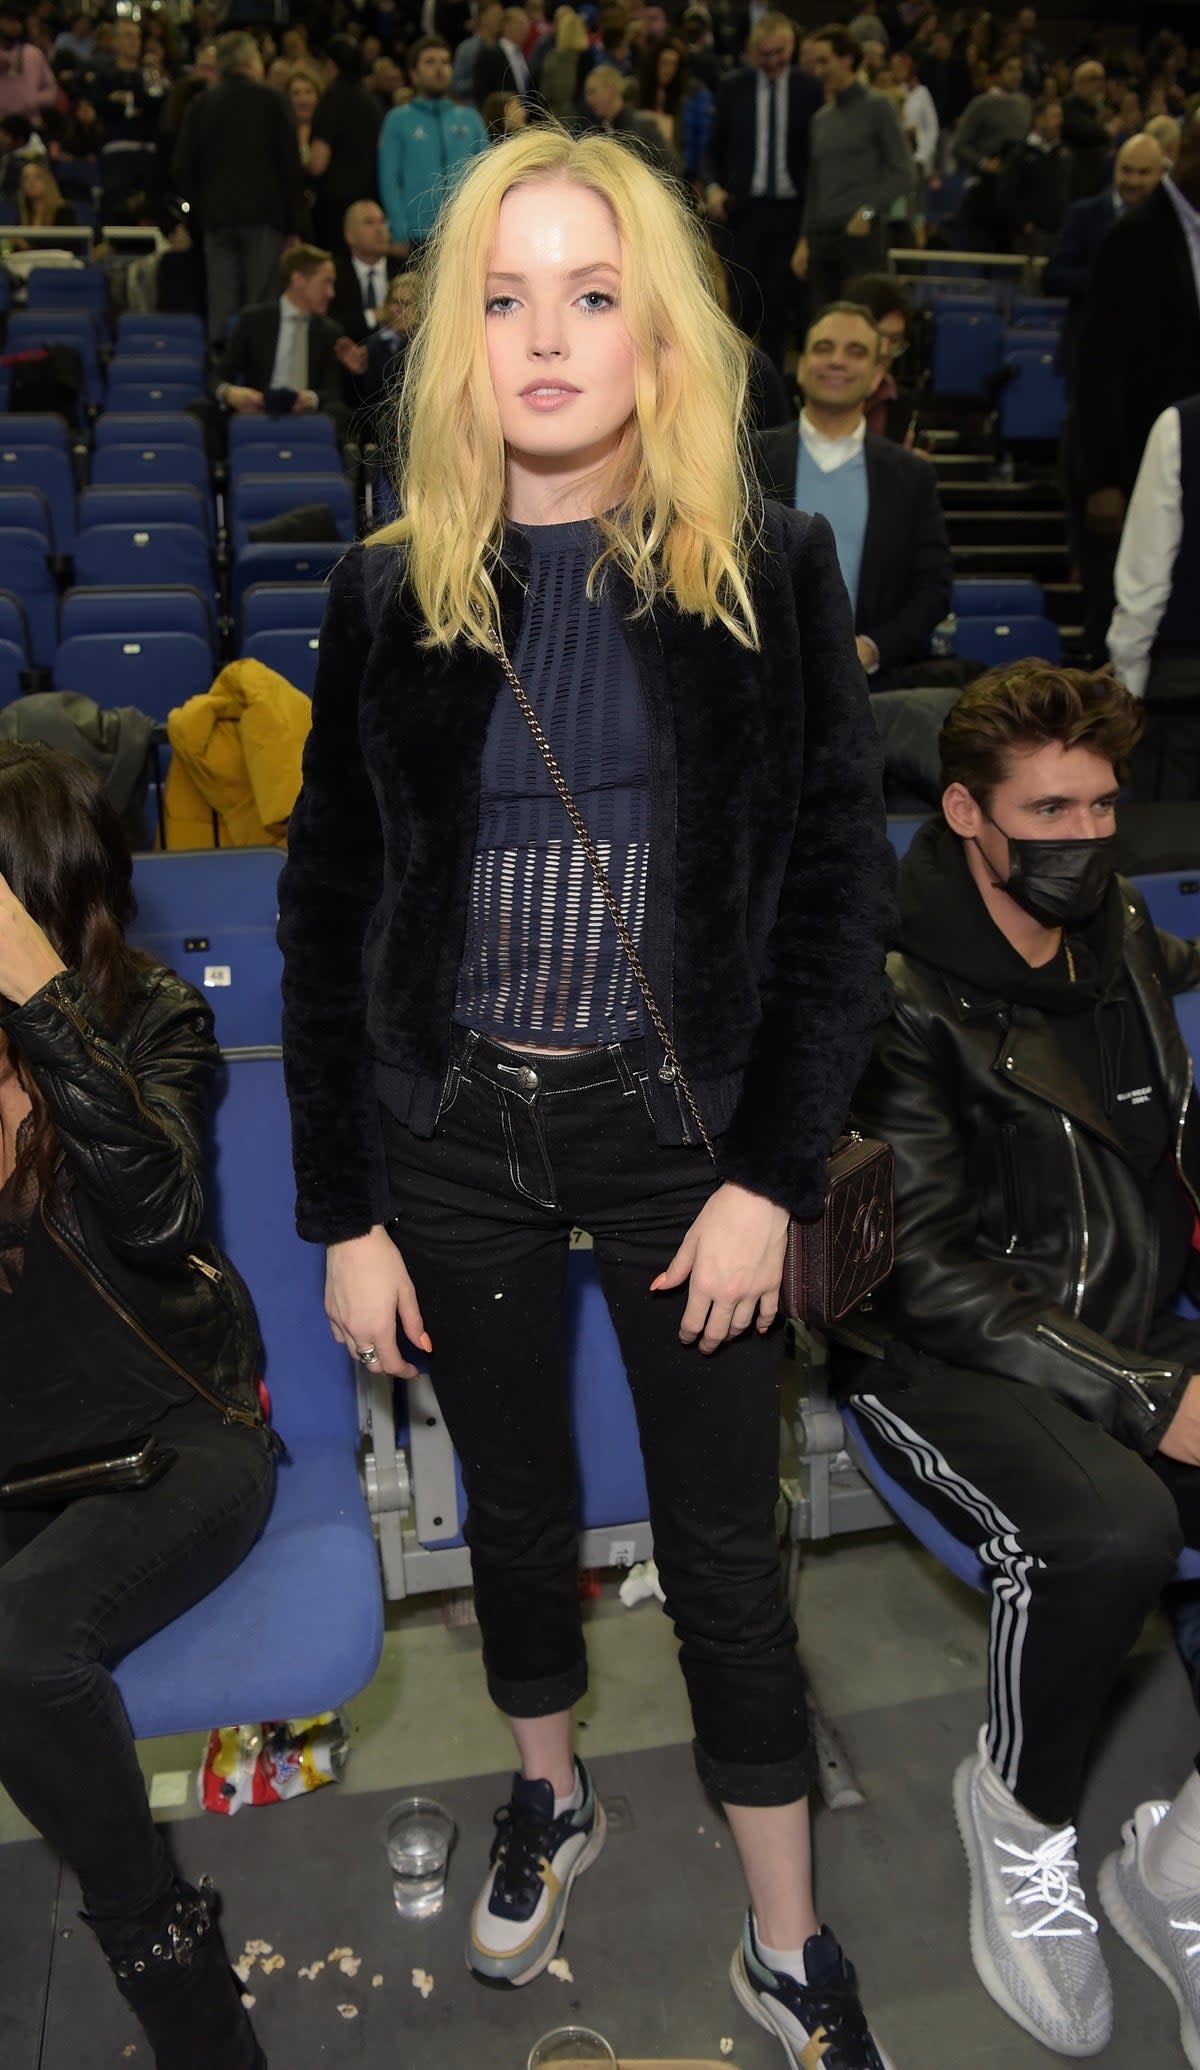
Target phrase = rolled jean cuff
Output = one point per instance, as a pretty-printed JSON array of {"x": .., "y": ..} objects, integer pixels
[
  {"x": 758, "y": 1782},
  {"x": 540, "y": 1699}
]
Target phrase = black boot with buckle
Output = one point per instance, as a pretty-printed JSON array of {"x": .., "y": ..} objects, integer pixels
[{"x": 172, "y": 1968}]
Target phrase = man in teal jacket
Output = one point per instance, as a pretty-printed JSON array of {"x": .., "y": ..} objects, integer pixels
[{"x": 424, "y": 147}]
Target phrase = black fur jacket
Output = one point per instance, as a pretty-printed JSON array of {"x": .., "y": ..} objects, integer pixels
[{"x": 770, "y": 900}]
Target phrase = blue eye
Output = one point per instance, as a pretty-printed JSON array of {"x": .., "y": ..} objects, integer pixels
[
  {"x": 493, "y": 306},
  {"x": 597, "y": 301}
]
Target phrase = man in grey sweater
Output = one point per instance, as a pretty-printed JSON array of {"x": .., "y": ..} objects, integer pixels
[
  {"x": 859, "y": 165},
  {"x": 992, "y": 125}
]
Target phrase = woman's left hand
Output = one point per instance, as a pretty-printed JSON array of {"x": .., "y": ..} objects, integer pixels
[
  {"x": 732, "y": 1257},
  {"x": 27, "y": 960}
]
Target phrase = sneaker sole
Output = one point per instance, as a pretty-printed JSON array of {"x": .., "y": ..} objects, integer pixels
[
  {"x": 981, "y": 1955},
  {"x": 1123, "y": 1922},
  {"x": 760, "y": 2012},
  {"x": 583, "y": 1861}
]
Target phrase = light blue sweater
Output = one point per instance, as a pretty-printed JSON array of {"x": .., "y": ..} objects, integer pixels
[{"x": 841, "y": 496}]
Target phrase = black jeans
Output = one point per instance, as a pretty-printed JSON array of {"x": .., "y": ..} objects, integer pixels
[
  {"x": 1078, "y": 1533},
  {"x": 526, "y": 1146},
  {"x": 758, "y": 249},
  {"x": 80, "y": 1587}
]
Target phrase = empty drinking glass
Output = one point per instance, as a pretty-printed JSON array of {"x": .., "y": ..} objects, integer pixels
[
  {"x": 418, "y": 1836},
  {"x": 572, "y": 2048}
]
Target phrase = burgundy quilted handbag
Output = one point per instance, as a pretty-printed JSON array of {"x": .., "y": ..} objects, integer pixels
[{"x": 836, "y": 1260}]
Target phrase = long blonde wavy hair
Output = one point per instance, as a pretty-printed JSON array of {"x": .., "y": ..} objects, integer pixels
[{"x": 681, "y": 511}]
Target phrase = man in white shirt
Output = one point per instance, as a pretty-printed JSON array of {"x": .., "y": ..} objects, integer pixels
[
  {"x": 1154, "y": 638},
  {"x": 364, "y": 274}
]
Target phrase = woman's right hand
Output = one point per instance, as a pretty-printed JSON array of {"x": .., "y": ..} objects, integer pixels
[{"x": 366, "y": 1288}]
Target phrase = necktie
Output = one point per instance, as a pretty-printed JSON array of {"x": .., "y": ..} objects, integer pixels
[
  {"x": 772, "y": 136},
  {"x": 298, "y": 352},
  {"x": 369, "y": 296}
]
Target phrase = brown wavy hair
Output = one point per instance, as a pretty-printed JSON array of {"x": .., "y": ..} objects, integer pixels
[
  {"x": 1028, "y": 703},
  {"x": 64, "y": 854}
]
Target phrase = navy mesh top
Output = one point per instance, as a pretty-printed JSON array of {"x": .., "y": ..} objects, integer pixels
[{"x": 542, "y": 962}]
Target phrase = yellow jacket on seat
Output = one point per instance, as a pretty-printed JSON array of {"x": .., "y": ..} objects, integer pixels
[{"x": 236, "y": 753}]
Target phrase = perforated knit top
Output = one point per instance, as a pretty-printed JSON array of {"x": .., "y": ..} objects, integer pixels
[{"x": 542, "y": 962}]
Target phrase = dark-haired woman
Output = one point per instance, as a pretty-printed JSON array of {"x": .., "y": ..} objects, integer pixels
[{"x": 118, "y": 1322}]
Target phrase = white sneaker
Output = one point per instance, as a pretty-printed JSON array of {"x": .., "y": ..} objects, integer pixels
[
  {"x": 1165, "y": 1932},
  {"x": 1033, "y": 1940}
]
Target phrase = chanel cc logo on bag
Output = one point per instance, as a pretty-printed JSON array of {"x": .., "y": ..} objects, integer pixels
[{"x": 870, "y": 1229}]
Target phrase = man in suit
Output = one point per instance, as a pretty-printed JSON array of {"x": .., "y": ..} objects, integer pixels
[
  {"x": 363, "y": 275},
  {"x": 1139, "y": 349},
  {"x": 609, "y": 112},
  {"x": 287, "y": 347},
  {"x": 377, "y": 366},
  {"x": 237, "y": 163},
  {"x": 859, "y": 165},
  {"x": 1088, "y": 125},
  {"x": 880, "y": 499},
  {"x": 1139, "y": 169},
  {"x": 757, "y": 172}
]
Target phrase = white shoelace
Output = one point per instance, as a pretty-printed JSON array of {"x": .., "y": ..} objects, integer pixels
[
  {"x": 1048, "y": 1876},
  {"x": 1188, "y": 1926}
]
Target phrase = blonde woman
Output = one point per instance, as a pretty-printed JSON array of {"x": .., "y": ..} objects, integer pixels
[
  {"x": 304, "y": 89},
  {"x": 471, "y": 1068},
  {"x": 565, "y": 66},
  {"x": 39, "y": 200}
]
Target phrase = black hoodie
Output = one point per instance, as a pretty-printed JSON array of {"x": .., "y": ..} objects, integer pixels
[{"x": 1084, "y": 991}]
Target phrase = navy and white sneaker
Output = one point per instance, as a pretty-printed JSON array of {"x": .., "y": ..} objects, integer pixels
[
  {"x": 521, "y": 1911},
  {"x": 820, "y": 2022}
]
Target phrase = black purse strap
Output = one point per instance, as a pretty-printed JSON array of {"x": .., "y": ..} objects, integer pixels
[{"x": 609, "y": 895}]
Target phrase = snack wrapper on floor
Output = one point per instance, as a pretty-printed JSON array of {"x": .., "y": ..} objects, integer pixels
[{"x": 266, "y": 1764}]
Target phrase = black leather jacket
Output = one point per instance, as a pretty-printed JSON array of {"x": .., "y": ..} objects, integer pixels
[
  {"x": 1024, "y": 1243},
  {"x": 129, "y": 1104}
]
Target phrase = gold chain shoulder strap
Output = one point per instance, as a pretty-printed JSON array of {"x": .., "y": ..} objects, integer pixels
[{"x": 609, "y": 895}]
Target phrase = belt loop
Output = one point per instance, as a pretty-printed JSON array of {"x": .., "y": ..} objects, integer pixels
[
  {"x": 470, "y": 1045},
  {"x": 617, "y": 1056}
]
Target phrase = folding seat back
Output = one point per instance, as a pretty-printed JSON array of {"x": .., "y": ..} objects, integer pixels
[
  {"x": 14, "y": 626},
  {"x": 155, "y": 331},
  {"x": 26, "y": 507},
  {"x": 283, "y": 607},
  {"x": 1173, "y": 899},
  {"x": 127, "y": 505},
  {"x": 986, "y": 596},
  {"x": 1038, "y": 312},
  {"x": 211, "y": 915},
  {"x": 155, "y": 671},
  {"x": 283, "y": 456},
  {"x": 268, "y": 562},
  {"x": 148, "y": 428},
  {"x": 34, "y": 428},
  {"x": 48, "y": 469},
  {"x": 31, "y": 328},
  {"x": 314, "y": 430},
  {"x": 13, "y": 659},
  {"x": 133, "y": 555},
  {"x": 966, "y": 351},
  {"x": 998, "y": 640},
  {"x": 26, "y": 566},
  {"x": 161, "y": 464},
  {"x": 292, "y": 654},
  {"x": 1033, "y": 404},
  {"x": 61, "y": 287},
  {"x": 257, "y": 497},
  {"x": 133, "y": 393},
  {"x": 132, "y": 612},
  {"x": 180, "y": 367}
]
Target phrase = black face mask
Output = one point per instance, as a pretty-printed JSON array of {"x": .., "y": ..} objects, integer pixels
[{"x": 1058, "y": 882}]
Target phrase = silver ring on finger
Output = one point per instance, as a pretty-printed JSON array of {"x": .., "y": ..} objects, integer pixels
[{"x": 367, "y": 1355}]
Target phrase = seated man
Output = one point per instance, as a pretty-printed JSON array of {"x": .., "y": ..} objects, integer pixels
[
  {"x": 881, "y": 500},
  {"x": 281, "y": 356},
  {"x": 376, "y": 368},
  {"x": 1031, "y": 1382}
]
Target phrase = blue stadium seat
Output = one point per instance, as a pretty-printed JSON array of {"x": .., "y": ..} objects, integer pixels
[
  {"x": 1038, "y": 312},
  {"x": 131, "y": 612},
  {"x": 155, "y": 671},
  {"x": 14, "y": 626},
  {"x": 12, "y": 660},
  {"x": 292, "y": 654},
  {"x": 68, "y": 287},
  {"x": 150, "y": 427},
  {"x": 5, "y": 290},
  {"x": 175, "y": 505},
  {"x": 272, "y": 563},
  {"x": 1033, "y": 403},
  {"x": 967, "y": 346},
  {"x": 971, "y": 296},
  {"x": 298, "y": 1627},
  {"x": 987, "y": 596},
  {"x": 1173, "y": 899},
  {"x": 256, "y": 497},
  {"x": 997, "y": 640},
  {"x": 283, "y": 607},
  {"x": 155, "y": 331},
  {"x": 178, "y": 367},
  {"x": 151, "y": 466},
  {"x": 23, "y": 558},
  {"x": 34, "y": 428},
  {"x": 282, "y": 456},
  {"x": 30, "y": 328},
  {"x": 313, "y": 430},
  {"x": 211, "y": 914},
  {"x": 46, "y": 468},
  {"x": 29, "y": 509},
  {"x": 138, "y": 395},
  {"x": 901, "y": 828},
  {"x": 131, "y": 555}
]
